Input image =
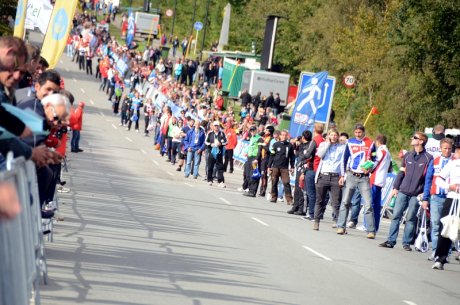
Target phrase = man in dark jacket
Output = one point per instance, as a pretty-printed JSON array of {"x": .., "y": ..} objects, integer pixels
[
  {"x": 408, "y": 185},
  {"x": 281, "y": 158},
  {"x": 215, "y": 143},
  {"x": 305, "y": 156}
]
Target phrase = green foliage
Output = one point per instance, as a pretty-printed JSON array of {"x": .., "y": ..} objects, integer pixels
[{"x": 7, "y": 8}]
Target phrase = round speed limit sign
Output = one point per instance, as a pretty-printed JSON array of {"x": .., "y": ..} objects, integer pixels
[{"x": 349, "y": 81}]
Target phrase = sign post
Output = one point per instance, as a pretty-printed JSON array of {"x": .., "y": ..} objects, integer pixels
[{"x": 198, "y": 26}]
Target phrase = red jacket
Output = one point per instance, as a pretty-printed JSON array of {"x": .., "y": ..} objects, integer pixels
[
  {"x": 232, "y": 140},
  {"x": 318, "y": 140},
  {"x": 76, "y": 118}
]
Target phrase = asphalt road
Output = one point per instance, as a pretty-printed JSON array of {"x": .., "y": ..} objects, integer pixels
[{"x": 138, "y": 232}]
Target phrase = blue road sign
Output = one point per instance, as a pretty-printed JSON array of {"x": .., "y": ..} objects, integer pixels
[
  {"x": 198, "y": 26},
  {"x": 313, "y": 102}
]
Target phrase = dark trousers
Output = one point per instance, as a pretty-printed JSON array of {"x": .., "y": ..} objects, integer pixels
[
  {"x": 444, "y": 244},
  {"x": 325, "y": 184},
  {"x": 174, "y": 150},
  {"x": 284, "y": 174},
  {"x": 56, "y": 173},
  {"x": 298, "y": 194},
  {"x": 169, "y": 147},
  {"x": 75, "y": 142},
  {"x": 44, "y": 181},
  {"x": 228, "y": 159},
  {"x": 249, "y": 182},
  {"x": 81, "y": 62},
  {"x": 146, "y": 121},
  {"x": 218, "y": 163},
  {"x": 89, "y": 66},
  {"x": 376, "y": 192}
]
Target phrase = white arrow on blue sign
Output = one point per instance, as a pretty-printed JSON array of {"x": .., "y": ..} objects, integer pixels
[{"x": 198, "y": 26}]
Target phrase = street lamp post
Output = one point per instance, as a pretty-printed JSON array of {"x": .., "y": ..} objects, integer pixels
[{"x": 205, "y": 28}]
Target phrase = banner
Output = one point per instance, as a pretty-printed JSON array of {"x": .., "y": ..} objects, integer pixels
[
  {"x": 58, "y": 30},
  {"x": 313, "y": 103},
  {"x": 20, "y": 20},
  {"x": 38, "y": 14},
  {"x": 131, "y": 30}
]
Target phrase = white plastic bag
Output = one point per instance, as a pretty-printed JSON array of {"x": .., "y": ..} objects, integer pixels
[
  {"x": 450, "y": 222},
  {"x": 421, "y": 242}
]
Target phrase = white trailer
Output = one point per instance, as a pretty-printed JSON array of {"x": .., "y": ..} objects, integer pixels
[
  {"x": 147, "y": 23},
  {"x": 266, "y": 82}
]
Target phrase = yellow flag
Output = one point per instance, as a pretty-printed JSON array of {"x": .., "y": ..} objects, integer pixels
[
  {"x": 58, "y": 30},
  {"x": 20, "y": 20}
]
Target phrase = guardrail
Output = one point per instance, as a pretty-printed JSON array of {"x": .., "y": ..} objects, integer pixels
[{"x": 22, "y": 259}]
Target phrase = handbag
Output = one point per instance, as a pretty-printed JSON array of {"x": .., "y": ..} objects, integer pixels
[
  {"x": 450, "y": 222},
  {"x": 421, "y": 242},
  {"x": 256, "y": 173}
]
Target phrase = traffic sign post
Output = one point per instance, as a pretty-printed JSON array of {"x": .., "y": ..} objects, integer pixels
[{"x": 198, "y": 26}]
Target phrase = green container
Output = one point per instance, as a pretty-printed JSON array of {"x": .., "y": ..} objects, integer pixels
[
  {"x": 285, "y": 122},
  {"x": 165, "y": 52}
]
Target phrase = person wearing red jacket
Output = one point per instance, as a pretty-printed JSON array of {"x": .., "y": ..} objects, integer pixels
[
  {"x": 76, "y": 122},
  {"x": 231, "y": 144}
]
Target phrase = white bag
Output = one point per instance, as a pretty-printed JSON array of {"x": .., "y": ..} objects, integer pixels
[
  {"x": 421, "y": 242},
  {"x": 450, "y": 222}
]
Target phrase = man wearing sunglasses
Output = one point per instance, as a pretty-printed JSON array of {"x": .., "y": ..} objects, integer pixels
[{"x": 409, "y": 183}]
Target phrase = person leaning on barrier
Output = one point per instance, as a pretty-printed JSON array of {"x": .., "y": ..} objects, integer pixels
[
  {"x": 438, "y": 194},
  {"x": 409, "y": 183},
  {"x": 449, "y": 180}
]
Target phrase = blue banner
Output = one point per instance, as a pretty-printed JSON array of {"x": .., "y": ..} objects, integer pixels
[
  {"x": 313, "y": 102},
  {"x": 131, "y": 29}
]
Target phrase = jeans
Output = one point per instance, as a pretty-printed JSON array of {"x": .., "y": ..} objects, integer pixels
[
  {"x": 436, "y": 205},
  {"x": 362, "y": 183},
  {"x": 403, "y": 202},
  {"x": 444, "y": 244},
  {"x": 355, "y": 206},
  {"x": 195, "y": 157},
  {"x": 69, "y": 50},
  {"x": 75, "y": 142},
  {"x": 310, "y": 191}
]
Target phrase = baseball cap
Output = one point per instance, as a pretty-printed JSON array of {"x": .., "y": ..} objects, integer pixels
[
  {"x": 252, "y": 128},
  {"x": 360, "y": 126},
  {"x": 216, "y": 123}
]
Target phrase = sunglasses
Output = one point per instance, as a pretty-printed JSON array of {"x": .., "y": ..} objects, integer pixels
[{"x": 415, "y": 138}]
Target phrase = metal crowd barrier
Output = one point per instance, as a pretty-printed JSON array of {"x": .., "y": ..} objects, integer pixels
[{"x": 22, "y": 258}]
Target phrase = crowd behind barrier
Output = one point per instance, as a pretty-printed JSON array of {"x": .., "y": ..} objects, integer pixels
[{"x": 22, "y": 253}]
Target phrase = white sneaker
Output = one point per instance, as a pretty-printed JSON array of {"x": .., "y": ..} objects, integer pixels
[
  {"x": 222, "y": 185},
  {"x": 137, "y": 130},
  {"x": 50, "y": 206},
  {"x": 281, "y": 199},
  {"x": 62, "y": 189},
  {"x": 438, "y": 266},
  {"x": 240, "y": 189},
  {"x": 351, "y": 225}
]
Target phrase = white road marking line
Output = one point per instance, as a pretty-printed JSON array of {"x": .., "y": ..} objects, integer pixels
[
  {"x": 82, "y": 90},
  {"x": 156, "y": 163},
  {"x": 100, "y": 112},
  {"x": 317, "y": 253},
  {"x": 129, "y": 139},
  {"x": 259, "y": 221},
  {"x": 91, "y": 101},
  {"x": 114, "y": 127},
  {"x": 225, "y": 201},
  {"x": 74, "y": 79},
  {"x": 191, "y": 185},
  {"x": 409, "y": 302},
  {"x": 169, "y": 173},
  {"x": 143, "y": 151}
]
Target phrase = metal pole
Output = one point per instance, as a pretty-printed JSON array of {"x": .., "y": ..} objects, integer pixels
[
  {"x": 205, "y": 28},
  {"x": 193, "y": 19},
  {"x": 174, "y": 18}
]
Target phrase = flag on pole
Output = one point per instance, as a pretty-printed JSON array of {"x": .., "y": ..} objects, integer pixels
[
  {"x": 374, "y": 110},
  {"x": 21, "y": 10},
  {"x": 58, "y": 30}
]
